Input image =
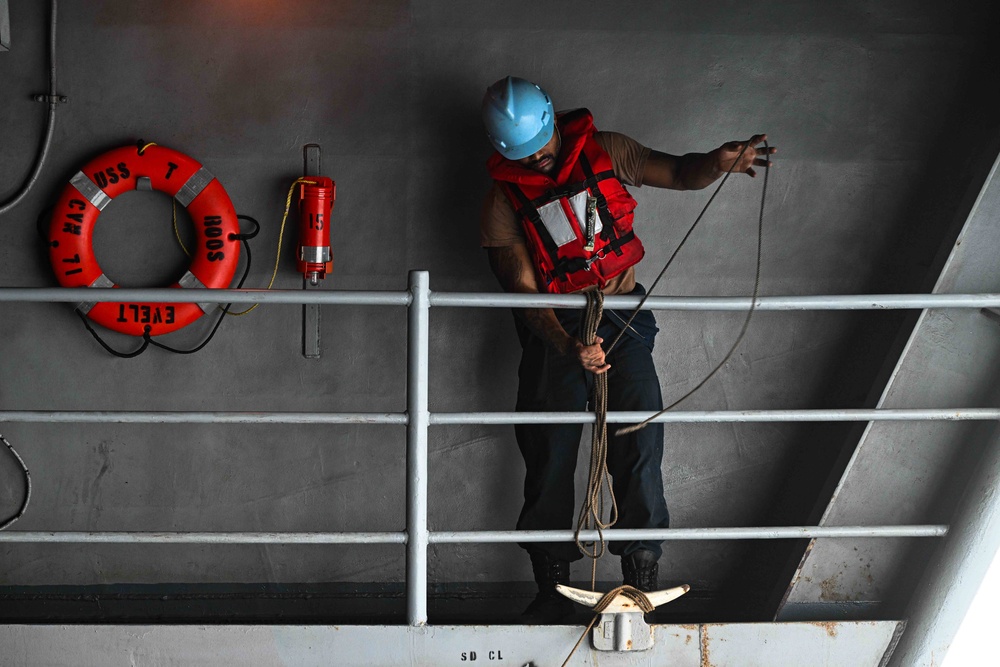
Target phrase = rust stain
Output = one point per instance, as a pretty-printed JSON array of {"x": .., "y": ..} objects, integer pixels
[
  {"x": 829, "y": 626},
  {"x": 867, "y": 570},
  {"x": 628, "y": 645},
  {"x": 828, "y": 588},
  {"x": 706, "y": 660}
]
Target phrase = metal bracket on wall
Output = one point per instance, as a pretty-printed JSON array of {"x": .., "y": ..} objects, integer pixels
[
  {"x": 992, "y": 313},
  {"x": 312, "y": 166},
  {"x": 4, "y": 25},
  {"x": 623, "y": 631}
]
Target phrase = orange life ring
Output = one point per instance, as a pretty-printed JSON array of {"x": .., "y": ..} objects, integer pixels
[{"x": 71, "y": 248}]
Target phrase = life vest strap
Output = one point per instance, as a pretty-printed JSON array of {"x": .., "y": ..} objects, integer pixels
[
  {"x": 567, "y": 266},
  {"x": 529, "y": 211},
  {"x": 607, "y": 220},
  {"x": 570, "y": 189}
]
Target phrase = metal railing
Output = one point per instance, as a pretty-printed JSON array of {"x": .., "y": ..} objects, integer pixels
[{"x": 417, "y": 418}]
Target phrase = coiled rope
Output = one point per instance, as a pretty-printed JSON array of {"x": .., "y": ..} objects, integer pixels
[{"x": 593, "y": 503}]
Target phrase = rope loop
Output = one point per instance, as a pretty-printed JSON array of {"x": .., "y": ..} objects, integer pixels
[
  {"x": 121, "y": 355},
  {"x": 625, "y": 430},
  {"x": 248, "y": 235},
  {"x": 599, "y": 478},
  {"x": 634, "y": 594},
  {"x": 640, "y": 599}
]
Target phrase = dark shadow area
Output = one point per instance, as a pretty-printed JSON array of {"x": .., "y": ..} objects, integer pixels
[
  {"x": 497, "y": 603},
  {"x": 923, "y": 236}
]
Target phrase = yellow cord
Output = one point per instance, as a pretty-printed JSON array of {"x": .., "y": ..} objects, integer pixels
[
  {"x": 177, "y": 233},
  {"x": 143, "y": 149},
  {"x": 281, "y": 234}
]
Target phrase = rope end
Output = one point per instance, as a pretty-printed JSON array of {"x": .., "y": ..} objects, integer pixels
[{"x": 625, "y": 430}]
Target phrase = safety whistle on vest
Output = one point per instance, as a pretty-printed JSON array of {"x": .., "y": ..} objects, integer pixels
[
  {"x": 316, "y": 197},
  {"x": 591, "y": 223}
]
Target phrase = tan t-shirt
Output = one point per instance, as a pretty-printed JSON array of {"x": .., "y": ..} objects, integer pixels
[{"x": 499, "y": 225}]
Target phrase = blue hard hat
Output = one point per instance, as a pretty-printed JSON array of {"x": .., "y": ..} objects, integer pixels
[{"x": 518, "y": 117}]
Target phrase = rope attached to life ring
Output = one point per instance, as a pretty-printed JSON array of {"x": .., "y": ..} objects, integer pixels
[{"x": 281, "y": 234}]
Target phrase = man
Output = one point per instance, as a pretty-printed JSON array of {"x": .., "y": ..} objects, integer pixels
[{"x": 558, "y": 219}]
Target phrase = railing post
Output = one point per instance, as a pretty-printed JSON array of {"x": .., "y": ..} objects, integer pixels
[{"x": 418, "y": 319}]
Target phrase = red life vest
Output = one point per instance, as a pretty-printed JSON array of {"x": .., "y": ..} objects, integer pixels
[{"x": 556, "y": 211}]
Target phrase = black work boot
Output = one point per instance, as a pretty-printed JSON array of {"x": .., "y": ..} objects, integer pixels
[
  {"x": 548, "y": 606},
  {"x": 639, "y": 570}
]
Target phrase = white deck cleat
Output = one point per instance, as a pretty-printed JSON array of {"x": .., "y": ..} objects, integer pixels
[
  {"x": 621, "y": 603},
  {"x": 621, "y": 626}
]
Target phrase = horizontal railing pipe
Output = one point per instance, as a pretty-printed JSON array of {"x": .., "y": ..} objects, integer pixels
[
  {"x": 472, "y": 537},
  {"x": 739, "y": 303},
  {"x": 497, "y": 300},
  {"x": 179, "y": 417},
  {"x": 495, "y": 418},
  {"x": 718, "y": 416},
  {"x": 633, "y": 534},
  {"x": 172, "y": 295},
  {"x": 129, "y": 537}
]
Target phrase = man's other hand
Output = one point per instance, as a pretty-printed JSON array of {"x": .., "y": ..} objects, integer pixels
[{"x": 591, "y": 357}]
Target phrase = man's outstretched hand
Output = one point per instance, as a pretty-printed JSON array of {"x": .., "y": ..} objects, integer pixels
[{"x": 752, "y": 156}]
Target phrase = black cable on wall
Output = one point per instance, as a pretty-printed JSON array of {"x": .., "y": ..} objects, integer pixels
[{"x": 53, "y": 100}]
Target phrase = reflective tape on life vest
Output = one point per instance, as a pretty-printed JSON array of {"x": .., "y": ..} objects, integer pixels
[{"x": 214, "y": 257}]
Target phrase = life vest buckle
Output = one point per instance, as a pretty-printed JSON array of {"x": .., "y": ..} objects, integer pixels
[{"x": 596, "y": 258}]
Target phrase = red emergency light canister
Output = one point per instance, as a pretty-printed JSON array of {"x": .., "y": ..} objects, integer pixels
[{"x": 315, "y": 204}]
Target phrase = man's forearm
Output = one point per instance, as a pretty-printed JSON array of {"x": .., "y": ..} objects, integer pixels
[
  {"x": 544, "y": 324},
  {"x": 692, "y": 171},
  {"x": 512, "y": 267},
  {"x": 698, "y": 170}
]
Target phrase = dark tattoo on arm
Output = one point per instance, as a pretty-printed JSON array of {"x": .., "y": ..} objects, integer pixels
[
  {"x": 516, "y": 275},
  {"x": 507, "y": 267},
  {"x": 544, "y": 324}
]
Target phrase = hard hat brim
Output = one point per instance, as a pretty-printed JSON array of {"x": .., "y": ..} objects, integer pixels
[{"x": 528, "y": 148}]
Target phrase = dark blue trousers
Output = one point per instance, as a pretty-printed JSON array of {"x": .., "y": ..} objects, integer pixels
[{"x": 549, "y": 381}]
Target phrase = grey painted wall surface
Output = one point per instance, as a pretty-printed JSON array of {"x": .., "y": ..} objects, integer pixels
[
  {"x": 877, "y": 110},
  {"x": 951, "y": 358}
]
